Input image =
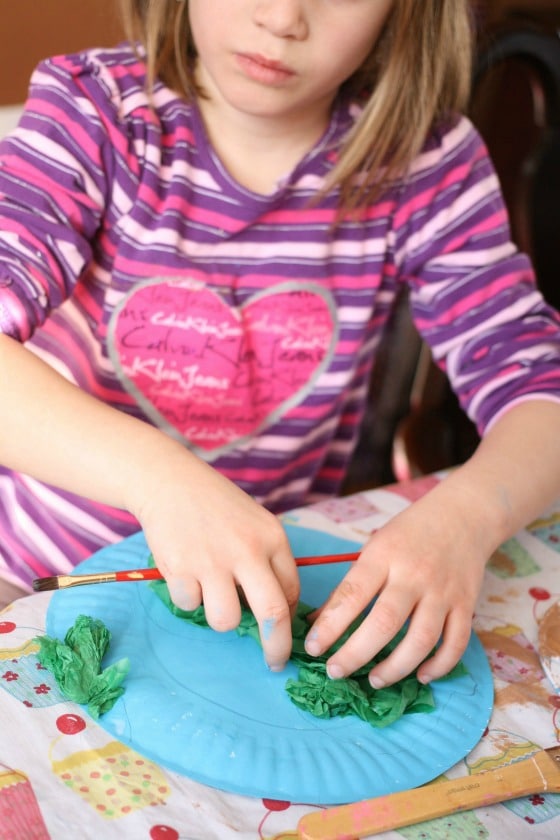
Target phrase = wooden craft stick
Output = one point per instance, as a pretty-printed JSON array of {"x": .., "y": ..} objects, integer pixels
[{"x": 538, "y": 774}]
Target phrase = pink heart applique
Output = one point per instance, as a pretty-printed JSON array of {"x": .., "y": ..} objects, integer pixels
[{"x": 212, "y": 374}]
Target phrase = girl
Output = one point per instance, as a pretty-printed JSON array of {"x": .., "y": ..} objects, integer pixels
[{"x": 202, "y": 237}]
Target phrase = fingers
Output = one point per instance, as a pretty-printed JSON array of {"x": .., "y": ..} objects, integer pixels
[
  {"x": 272, "y": 594},
  {"x": 346, "y": 602},
  {"x": 421, "y": 637},
  {"x": 377, "y": 629},
  {"x": 185, "y": 591},
  {"x": 431, "y": 618},
  {"x": 285, "y": 569},
  {"x": 456, "y": 636},
  {"x": 429, "y": 623},
  {"x": 221, "y": 601},
  {"x": 270, "y": 590}
]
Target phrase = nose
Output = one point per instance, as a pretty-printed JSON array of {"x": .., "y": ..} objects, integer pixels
[{"x": 283, "y": 18}]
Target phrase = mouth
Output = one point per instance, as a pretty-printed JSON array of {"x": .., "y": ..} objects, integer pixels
[{"x": 264, "y": 69}]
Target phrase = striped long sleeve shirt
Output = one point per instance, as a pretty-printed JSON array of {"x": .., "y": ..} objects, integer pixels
[{"x": 244, "y": 325}]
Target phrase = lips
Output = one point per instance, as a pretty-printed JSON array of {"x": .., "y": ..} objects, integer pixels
[{"x": 264, "y": 69}]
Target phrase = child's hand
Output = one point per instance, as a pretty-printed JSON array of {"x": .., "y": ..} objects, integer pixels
[
  {"x": 214, "y": 544},
  {"x": 425, "y": 565}
]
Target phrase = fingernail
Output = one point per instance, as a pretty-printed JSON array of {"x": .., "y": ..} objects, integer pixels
[
  {"x": 424, "y": 679},
  {"x": 180, "y": 596},
  {"x": 334, "y": 671},
  {"x": 276, "y": 668},
  {"x": 377, "y": 682},
  {"x": 312, "y": 647}
]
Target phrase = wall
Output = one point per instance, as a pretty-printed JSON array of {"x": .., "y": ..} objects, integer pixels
[
  {"x": 498, "y": 9},
  {"x": 34, "y": 29}
]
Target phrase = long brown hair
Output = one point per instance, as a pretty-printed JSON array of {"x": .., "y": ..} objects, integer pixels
[{"x": 419, "y": 73}]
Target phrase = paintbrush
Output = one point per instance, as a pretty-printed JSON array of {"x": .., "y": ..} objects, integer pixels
[{"x": 48, "y": 584}]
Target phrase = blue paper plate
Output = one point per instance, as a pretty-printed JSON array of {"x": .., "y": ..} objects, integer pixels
[{"x": 203, "y": 703}]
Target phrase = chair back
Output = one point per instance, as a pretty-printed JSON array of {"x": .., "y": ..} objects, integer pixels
[{"x": 516, "y": 107}]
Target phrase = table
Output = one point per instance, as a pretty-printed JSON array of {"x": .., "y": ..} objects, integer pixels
[{"x": 63, "y": 776}]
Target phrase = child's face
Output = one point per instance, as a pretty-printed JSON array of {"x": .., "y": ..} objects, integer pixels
[{"x": 282, "y": 58}]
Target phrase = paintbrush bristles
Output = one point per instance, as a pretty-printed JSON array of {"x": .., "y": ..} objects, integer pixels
[{"x": 49, "y": 584}]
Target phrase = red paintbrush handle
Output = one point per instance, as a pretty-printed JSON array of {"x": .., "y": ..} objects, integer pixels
[
  {"x": 314, "y": 560},
  {"x": 321, "y": 559},
  {"x": 139, "y": 574}
]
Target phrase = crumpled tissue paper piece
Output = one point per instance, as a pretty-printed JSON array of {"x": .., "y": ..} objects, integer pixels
[{"x": 76, "y": 665}]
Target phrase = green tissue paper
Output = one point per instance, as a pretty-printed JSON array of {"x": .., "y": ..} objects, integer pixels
[{"x": 76, "y": 665}]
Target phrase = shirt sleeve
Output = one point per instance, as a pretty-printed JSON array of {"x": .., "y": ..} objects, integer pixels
[
  {"x": 473, "y": 295},
  {"x": 55, "y": 174}
]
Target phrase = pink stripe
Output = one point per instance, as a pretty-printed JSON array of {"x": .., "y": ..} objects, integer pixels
[
  {"x": 121, "y": 71},
  {"x": 64, "y": 200},
  {"x": 486, "y": 225},
  {"x": 60, "y": 117},
  {"x": 423, "y": 199},
  {"x": 180, "y": 134},
  {"x": 276, "y": 475},
  {"x": 316, "y": 215},
  {"x": 89, "y": 304},
  {"x": 192, "y": 212},
  {"x": 312, "y": 215},
  {"x": 332, "y": 473},
  {"x": 471, "y": 302}
]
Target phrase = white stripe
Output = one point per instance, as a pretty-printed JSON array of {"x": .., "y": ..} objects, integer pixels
[
  {"x": 27, "y": 531},
  {"x": 450, "y": 142},
  {"x": 510, "y": 314},
  {"x": 467, "y": 203},
  {"x": 41, "y": 147},
  {"x": 79, "y": 520}
]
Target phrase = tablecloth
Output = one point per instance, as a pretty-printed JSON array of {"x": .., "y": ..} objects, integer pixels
[{"x": 63, "y": 776}]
